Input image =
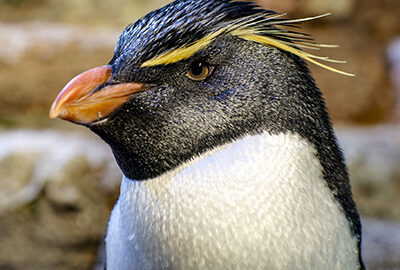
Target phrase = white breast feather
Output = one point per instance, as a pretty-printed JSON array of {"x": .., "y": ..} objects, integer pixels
[{"x": 258, "y": 203}]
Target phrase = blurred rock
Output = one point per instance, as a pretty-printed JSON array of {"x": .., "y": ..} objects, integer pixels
[
  {"x": 49, "y": 39},
  {"x": 283, "y": 6},
  {"x": 38, "y": 59},
  {"x": 381, "y": 244},
  {"x": 105, "y": 13},
  {"x": 340, "y": 9},
  {"x": 366, "y": 98},
  {"x": 56, "y": 194},
  {"x": 373, "y": 158},
  {"x": 393, "y": 55}
]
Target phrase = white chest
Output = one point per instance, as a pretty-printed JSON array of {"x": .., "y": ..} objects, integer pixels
[{"x": 258, "y": 203}]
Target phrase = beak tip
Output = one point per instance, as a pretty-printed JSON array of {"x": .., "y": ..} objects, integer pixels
[
  {"x": 77, "y": 88},
  {"x": 54, "y": 112}
]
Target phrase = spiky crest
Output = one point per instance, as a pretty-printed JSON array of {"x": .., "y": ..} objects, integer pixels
[{"x": 185, "y": 27}]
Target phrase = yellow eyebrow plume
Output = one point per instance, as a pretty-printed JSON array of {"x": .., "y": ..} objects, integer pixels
[
  {"x": 258, "y": 29},
  {"x": 182, "y": 53},
  {"x": 281, "y": 45}
]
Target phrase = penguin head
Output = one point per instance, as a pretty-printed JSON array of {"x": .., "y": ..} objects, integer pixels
[{"x": 192, "y": 76}]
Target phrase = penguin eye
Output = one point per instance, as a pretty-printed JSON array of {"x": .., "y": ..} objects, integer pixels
[{"x": 199, "y": 71}]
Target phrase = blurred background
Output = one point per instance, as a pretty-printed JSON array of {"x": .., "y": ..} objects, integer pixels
[{"x": 58, "y": 182}]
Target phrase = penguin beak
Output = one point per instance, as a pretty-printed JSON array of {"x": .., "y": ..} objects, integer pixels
[{"x": 90, "y": 97}]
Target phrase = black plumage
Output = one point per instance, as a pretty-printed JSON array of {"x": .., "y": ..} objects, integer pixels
[
  {"x": 253, "y": 88},
  {"x": 176, "y": 25}
]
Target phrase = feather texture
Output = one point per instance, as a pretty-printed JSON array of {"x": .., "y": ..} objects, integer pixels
[{"x": 262, "y": 28}]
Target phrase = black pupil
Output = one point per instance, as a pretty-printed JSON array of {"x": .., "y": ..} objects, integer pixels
[{"x": 196, "y": 68}]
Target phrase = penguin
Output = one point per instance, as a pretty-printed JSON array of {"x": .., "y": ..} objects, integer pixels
[{"x": 228, "y": 155}]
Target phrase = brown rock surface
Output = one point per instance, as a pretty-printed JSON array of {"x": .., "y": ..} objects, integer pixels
[
  {"x": 381, "y": 244},
  {"x": 38, "y": 59},
  {"x": 373, "y": 158},
  {"x": 56, "y": 194}
]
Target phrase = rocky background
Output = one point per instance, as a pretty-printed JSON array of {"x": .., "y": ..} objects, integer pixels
[{"x": 58, "y": 182}]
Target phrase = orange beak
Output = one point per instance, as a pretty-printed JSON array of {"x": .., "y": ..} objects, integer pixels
[{"x": 84, "y": 101}]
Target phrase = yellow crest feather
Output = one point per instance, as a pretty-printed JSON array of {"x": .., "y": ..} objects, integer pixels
[
  {"x": 281, "y": 45},
  {"x": 182, "y": 53},
  {"x": 260, "y": 29}
]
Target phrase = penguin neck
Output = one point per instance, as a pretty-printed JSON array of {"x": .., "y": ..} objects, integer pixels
[{"x": 242, "y": 199}]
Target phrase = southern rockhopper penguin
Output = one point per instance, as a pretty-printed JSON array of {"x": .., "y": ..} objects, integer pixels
[{"x": 228, "y": 153}]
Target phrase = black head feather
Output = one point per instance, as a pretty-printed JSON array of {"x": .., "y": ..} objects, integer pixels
[{"x": 177, "y": 24}]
